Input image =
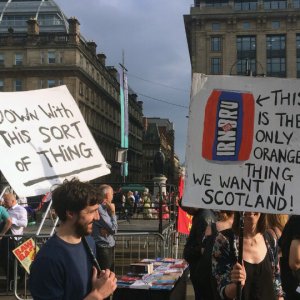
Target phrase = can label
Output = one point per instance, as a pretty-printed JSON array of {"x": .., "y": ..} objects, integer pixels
[{"x": 228, "y": 126}]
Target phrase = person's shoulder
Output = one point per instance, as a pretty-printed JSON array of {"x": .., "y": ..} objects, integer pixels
[
  {"x": 3, "y": 210},
  {"x": 90, "y": 240},
  {"x": 20, "y": 208},
  {"x": 101, "y": 208},
  {"x": 225, "y": 236}
]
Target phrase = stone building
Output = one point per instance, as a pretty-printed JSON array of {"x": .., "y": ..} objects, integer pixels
[
  {"x": 245, "y": 37},
  {"x": 41, "y": 48},
  {"x": 159, "y": 135}
]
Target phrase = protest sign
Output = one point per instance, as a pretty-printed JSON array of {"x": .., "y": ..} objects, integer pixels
[
  {"x": 25, "y": 253},
  {"x": 44, "y": 140},
  {"x": 243, "y": 150}
]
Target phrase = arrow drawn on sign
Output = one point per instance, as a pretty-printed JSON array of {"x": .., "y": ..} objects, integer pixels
[{"x": 259, "y": 100}]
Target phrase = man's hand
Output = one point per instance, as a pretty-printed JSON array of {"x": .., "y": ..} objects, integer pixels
[
  {"x": 103, "y": 232},
  {"x": 103, "y": 285},
  {"x": 111, "y": 208}
]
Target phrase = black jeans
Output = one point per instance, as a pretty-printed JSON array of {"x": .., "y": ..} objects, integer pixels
[{"x": 105, "y": 257}]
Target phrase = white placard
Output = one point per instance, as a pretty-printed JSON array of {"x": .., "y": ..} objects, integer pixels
[
  {"x": 44, "y": 140},
  {"x": 243, "y": 149}
]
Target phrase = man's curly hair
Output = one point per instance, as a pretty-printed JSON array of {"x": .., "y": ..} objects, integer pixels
[{"x": 74, "y": 196}]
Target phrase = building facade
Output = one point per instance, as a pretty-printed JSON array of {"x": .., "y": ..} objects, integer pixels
[
  {"x": 41, "y": 48},
  {"x": 159, "y": 135},
  {"x": 237, "y": 37}
]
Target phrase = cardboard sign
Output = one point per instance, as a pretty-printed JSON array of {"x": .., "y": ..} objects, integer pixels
[
  {"x": 243, "y": 150},
  {"x": 44, "y": 140},
  {"x": 25, "y": 253}
]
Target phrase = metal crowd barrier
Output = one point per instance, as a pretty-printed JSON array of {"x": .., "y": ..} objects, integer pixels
[
  {"x": 130, "y": 247},
  {"x": 134, "y": 246},
  {"x": 17, "y": 287}
]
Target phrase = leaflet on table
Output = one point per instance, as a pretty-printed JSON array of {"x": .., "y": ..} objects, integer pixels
[
  {"x": 164, "y": 276},
  {"x": 162, "y": 287},
  {"x": 140, "y": 284}
]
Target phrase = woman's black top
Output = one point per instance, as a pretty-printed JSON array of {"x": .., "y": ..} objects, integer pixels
[{"x": 259, "y": 283}]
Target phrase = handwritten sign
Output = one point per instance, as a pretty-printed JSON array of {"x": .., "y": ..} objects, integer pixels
[
  {"x": 44, "y": 140},
  {"x": 243, "y": 150},
  {"x": 25, "y": 253}
]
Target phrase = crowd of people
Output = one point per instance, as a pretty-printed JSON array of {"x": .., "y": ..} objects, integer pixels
[
  {"x": 133, "y": 204},
  {"x": 82, "y": 249},
  {"x": 270, "y": 264}
]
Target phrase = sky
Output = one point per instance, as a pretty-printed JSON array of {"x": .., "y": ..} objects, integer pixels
[{"x": 152, "y": 35}]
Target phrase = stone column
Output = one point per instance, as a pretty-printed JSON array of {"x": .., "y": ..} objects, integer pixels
[{"x": 159, "y": 185}]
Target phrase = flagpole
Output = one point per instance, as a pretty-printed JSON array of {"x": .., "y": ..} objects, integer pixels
[{"x": 124, "y": 115}]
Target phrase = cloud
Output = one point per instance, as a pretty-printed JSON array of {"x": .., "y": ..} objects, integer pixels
[{"x": 152, "y": 34}]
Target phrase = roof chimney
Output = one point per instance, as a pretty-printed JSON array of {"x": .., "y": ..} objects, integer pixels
[
  {"x": 92, "y": 46},
  {"x": 102, "y": 58},
  {"x": 74, "y": 30},
  {"x": 145, "y": 123},
  {"x": 33, "y": 27},
  {"x": 113, "y": 71}
]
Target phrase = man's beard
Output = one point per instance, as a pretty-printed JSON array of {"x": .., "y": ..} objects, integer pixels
[{"x": 81, "y": 229}]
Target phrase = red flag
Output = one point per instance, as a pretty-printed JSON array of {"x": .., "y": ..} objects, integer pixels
[
  {"x": 180, "y": 187},
  {"x": 184, "y": 221}
]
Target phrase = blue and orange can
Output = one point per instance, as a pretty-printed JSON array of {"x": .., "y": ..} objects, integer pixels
[{"x": 228, "y": 126}]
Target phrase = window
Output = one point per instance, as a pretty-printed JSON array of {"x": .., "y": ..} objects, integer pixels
[
  {"x": 60, "y": 57},
  {"x": 246, "y": 25},
  {"x": 216, "y": 43},
  {"x": 276, "y": 67},
  {"x": 18, "y": 59},
  {"x": 275, "y": 42},
  {"x": 276, "y": 55},
  {"x": 51, "y": 83},
  {"x": 214, "y": 3},
  {"x": 80, "y": 88},
  {"x": 216, "y": 26},
  {"x": 296, "y": 3},
  {"x": 275, "y": 24},
  {"x": 298, "y": 67},
  {"x": 246, "y": 4},
  {"x": 246, "y": 66},
  {"x": 246, "y": 43},
  {"x": 51, "y": 57},
  {"x": 18, "y": 85},
  {"x": 298, "y": 42},
  {"x": 246, "y": 55},
  {"x": 298, "y": 54},
  {"x": 215, "y": 67},
  {"x": 270, "y": 4},
  {"x": 1, "y": 59},
  {"x": 1, "y": 85},
  {"x": 87, "y": 92}
]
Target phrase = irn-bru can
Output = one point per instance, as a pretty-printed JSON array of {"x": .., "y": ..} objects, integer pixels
[{"x": 228, "y": 126}]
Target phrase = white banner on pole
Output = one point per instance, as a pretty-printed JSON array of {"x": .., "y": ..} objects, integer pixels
[
  {"x": 243, "y": 149},
  {"x": 44, "y": 140}
]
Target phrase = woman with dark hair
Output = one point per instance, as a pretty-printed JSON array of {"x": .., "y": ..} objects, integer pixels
[{"x": 259, "y": 274}]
